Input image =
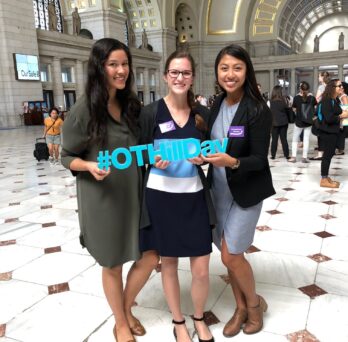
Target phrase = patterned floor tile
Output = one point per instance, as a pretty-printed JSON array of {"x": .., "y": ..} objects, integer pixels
[{"x": 312, "y": 291}]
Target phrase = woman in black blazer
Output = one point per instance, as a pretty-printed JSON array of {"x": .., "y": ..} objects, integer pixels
[
  {"x": 330, "y": 116},
  {"x": 240, "y": 178}
]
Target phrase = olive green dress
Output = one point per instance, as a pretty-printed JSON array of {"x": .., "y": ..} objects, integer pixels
[{"x": 109, "y": 210}]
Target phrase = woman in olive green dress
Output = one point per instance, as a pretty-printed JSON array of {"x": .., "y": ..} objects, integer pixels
[{"x": 106, "y": 118}]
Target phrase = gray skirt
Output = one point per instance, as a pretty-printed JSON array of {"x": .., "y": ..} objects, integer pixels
[{"x": 236, "y": 224}]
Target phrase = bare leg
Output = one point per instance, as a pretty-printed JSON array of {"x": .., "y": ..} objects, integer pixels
[
  {"x": 56, "y": 151},
  {"x": 242, "y": 275},
  {"x": 136, "y": 279},
  {"x": 237, "y": 292},
  {"x": 171, "y": 289},
  {"x": 113, "y": 289},
  {"x": 199, "y": 292},
  {"x": 50, "y": 150}
]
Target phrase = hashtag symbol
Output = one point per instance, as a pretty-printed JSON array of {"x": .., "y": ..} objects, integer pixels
[{"x": 104, "y": 160}]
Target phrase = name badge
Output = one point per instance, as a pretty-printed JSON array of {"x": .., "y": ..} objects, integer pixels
[
  {"x": 236, "y": 132},
  {"x": 167, "y": 126}
]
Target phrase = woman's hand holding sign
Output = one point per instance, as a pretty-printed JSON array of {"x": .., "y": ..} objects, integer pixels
[
  {"x": 161, "y": 164},
  {"x": 220, "y": 160},
  {"x": 96, "y": 172}
]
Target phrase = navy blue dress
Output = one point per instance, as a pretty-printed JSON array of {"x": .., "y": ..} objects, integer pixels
[{"x": 175, "y": 200}]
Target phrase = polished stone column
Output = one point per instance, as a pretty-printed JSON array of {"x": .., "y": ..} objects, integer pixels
[
  {"x": 315, "y": 79},
  {"x": 146, "y": 86},
  {"x": 271, "y": 80},
  {"x": 79, "y": 78},
  {"x": 293, "y": 82},
  {"x": 340, "y": 72},
  {"x": 57, "y": 83}
]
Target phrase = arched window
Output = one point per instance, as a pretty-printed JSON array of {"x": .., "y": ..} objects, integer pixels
[{"x": 41, "y": 14}]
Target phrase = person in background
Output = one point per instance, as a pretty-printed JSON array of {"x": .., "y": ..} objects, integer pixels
[
  {"x": 323, "y": 78},
  {"x": 279, "y": 108},
  {"x": 201, "y": 109},
  {"x": 299, "y": 104},
  {"x": 53, "y": 124},
  {"x": 178, "y": 202},
  {"x": 106, "y": 118},
  {"x": 240, "y": 179},
  {"x": 332, "y": 115},
  {"x": 342, "y": 134}
]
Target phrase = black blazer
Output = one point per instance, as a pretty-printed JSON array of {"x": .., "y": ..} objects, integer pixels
[
  {"x": 279, "y": 111},
  {"x": 330, "y": 110},
  {"x": 252, "y": 181}
]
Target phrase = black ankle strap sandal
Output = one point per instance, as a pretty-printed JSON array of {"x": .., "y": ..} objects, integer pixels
[
  {"x": 179, "y": 323},
  {"x": 200, "y": 319}
]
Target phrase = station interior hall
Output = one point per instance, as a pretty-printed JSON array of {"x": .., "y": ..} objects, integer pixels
[{"x": 50, "y": 287}]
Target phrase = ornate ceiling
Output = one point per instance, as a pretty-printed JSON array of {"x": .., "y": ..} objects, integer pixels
[{"x": 298, "y": 16}]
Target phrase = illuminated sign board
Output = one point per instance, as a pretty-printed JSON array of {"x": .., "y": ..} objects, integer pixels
[{"x": 26, "y": 67}]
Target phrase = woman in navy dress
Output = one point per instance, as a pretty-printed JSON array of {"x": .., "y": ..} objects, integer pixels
[{"x": 175, "y": 196}]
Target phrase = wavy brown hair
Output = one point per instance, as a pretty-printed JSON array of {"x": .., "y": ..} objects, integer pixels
[{"x": 330, "y": 89}]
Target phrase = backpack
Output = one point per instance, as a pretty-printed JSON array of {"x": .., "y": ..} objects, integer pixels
[
  {"x": 307, "y": 111},
  {"x": 318, "y": 118}
]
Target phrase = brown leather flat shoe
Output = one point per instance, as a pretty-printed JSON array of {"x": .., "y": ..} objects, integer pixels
[
  {"x": 115, "y": 335},
  {"x": 234, "y": 325},
  {"x": 138, "y": 329}
]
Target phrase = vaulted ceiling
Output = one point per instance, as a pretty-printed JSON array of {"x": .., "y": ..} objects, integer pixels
[{"x": 298, "y": 16}]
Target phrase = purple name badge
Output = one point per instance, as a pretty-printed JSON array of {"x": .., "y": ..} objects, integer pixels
[
  {"x": 236, "y": 132},
  {"x": 167, "y": 126}
]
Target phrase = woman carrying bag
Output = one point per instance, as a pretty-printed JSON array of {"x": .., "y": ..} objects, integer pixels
[
  {"x": 304, "y": 105},
  {"x": 330, "y": 115}
]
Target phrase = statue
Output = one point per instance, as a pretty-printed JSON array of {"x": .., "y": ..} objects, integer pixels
[
  {"x": 316, "y": 44},
  {"x": 144, "y": 41},
  {"x": 131, "y": 36},
  {"x": 341, "y": 41},
  {"x": 52, "y": 16},
  {"x": 76, "y": 20}
]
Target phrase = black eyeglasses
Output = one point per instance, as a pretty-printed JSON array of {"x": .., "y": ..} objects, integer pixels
[
  {"x": 339, "y": 85},
  {"x": 173, "y": 73}
]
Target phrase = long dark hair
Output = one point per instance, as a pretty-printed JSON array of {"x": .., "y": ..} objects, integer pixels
[
  {"x": 330, "y": 90},
  {"x": 98, "y": 96},
  {"x": 200, "y": 123},
  {"x": 277, "y": 93},
  {"x": 250, "y": 84}
]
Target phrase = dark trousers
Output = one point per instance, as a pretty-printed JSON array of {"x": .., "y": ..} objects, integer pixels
[
  {"x": 341, "y": 138},
  {"x": 328, "y": 143},
  {"x": 280, "y": 131}
]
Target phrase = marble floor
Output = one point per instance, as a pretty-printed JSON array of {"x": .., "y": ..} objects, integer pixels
[{"x": 50, "y": 288}]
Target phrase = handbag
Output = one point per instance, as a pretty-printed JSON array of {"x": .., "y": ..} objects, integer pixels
[{"x": 290, "y": 114}]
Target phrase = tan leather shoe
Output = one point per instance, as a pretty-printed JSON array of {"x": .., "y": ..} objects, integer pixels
[
  {"x": 115, "y": 335},
  {"x": 328, "y": 183},
  {"x": 255, "y": 317},
  {"x": 138, "y": 329},
  {"x": 234, "y": 325},
  {"x": 333, "y": 181}
]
